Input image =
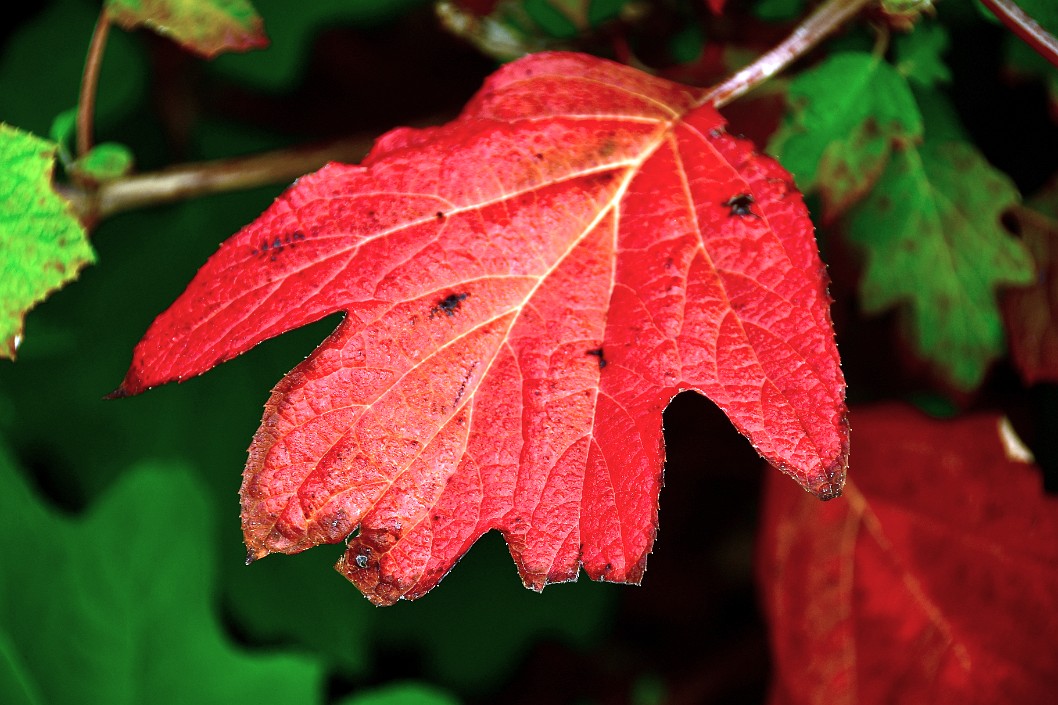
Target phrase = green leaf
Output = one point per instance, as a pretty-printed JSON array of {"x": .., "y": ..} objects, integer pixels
[
  {"x": 562, "y": 19},
  {"x": 114, "y": 607},
  {"x": 207, "y": 27},
  {"x": 63, "y": 129},
  {"x": 935, "y": 247},
  {"x": 837, "y": 142},
  {"x": 42, "y": 245},
  {"x": 104, "y": 162},
  {"x": 918, "y": 54}
]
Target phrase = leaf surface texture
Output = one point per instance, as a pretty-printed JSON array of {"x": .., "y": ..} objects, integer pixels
[{"x": 525, "y": 290}]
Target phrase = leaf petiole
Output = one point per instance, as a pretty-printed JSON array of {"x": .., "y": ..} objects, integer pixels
[
  {"x": 90, "y": 83},
  {"x": 817, "y": 26}
]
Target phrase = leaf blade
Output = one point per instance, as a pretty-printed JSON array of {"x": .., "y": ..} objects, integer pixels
[
  {"x": 934, "y": 242},
  {"x": 501, "y": 366},
  {"x": 42, "y": 244}
]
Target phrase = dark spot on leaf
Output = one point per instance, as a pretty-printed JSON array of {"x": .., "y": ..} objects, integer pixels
[
  {"x": 278, "y": 244},
  {"x": 539, "y": 156},
  {"x": 440, "y": 215},
  {"x": 463, "y": 384},
  {"x": 449, "y": 305},
  {"x": 597, "y": 352},
  {"x": 740, "y": 205},
  {"x": 715, "y": 132}
]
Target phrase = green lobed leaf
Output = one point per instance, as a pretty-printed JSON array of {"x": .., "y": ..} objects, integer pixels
[
  {"x": 42, "y": 245},
  {"x": 63, "y": 130},
  {"x": 207, "y": 27},
  {"x": 114, "y": 607},
  {"x": 918, "y": 54},
  {"x": 837, "y": 142},
  {"x": 935, "y": 245},
  {"x": 104, "y": 162}
]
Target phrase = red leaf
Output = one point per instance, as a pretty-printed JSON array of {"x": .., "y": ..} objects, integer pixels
[
  {"x": 934, "y": 581},
  {"x": 717, "y": 6},
  {"x": 526, "y": 288}
]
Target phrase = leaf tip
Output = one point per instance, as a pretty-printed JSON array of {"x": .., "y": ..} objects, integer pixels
[
  {"x": 130, "y": 386},
  {"x": 119, "y": 393},
  {"x": 254, "y": 555},
  {"x": 833, "y": 482}
]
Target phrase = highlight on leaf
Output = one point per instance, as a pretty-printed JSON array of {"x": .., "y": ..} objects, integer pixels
[{"x": 525, "y": 289}]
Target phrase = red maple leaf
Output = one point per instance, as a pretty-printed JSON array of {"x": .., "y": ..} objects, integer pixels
[
  {"x": 525, "y": 290},
  {"x": 934, "y": 581}
]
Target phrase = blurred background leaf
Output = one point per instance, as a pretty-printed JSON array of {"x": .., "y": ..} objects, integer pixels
[{"x": 115, "y": 607}]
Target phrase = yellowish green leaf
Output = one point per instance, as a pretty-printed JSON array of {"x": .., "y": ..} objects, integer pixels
[{"x": 42, "y": 245}]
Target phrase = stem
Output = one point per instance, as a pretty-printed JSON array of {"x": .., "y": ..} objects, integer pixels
[
  {"x": 89, "y": 82},
  {"x": 1027, "y": 29},
  {"x": 823, "y": 20},
  {"x": 184, "y": 181}
]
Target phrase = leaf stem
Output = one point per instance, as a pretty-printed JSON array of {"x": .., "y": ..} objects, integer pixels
[
  {"x": 183, "y": 181},
  {"x": 89, "y": 83},
  {"x": 813, "y": 29},
  {"x": 1027, "y": 29}
]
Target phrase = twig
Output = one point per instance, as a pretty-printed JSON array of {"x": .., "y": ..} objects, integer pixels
[
  {"x": 823, "y": 20},
  {"x": 189, "y": 180},
  {"x": 183, "y": 181},
  {"x": 89, "y": 82},
  {"x": 1027, "y": 29}
]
